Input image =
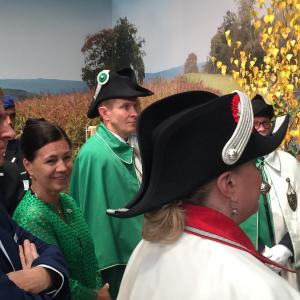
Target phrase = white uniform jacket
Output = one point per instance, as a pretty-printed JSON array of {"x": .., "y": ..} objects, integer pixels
[
  {"x": 280, "y": 166},
  {"x": 197, "y": 266}
]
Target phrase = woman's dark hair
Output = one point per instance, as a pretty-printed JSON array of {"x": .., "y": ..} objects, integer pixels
[{"x": 38, "y": 133}]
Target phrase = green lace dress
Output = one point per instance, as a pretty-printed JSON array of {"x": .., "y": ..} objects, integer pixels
[{"x": 71, "y": 236}]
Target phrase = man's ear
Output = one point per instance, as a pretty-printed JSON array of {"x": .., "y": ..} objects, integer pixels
[
  {"x": 226, "y": 184},
  {"x": 103, "y": 112}
]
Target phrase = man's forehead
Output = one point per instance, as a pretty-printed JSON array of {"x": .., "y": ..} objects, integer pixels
[
  {"x": 261, "y": 118},
  {"x": 132, "y": 99}
]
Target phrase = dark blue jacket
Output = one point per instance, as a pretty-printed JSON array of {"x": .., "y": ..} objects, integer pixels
[
  {"x": 12, "y": 235},
  {"x": 11, "y": 186}
]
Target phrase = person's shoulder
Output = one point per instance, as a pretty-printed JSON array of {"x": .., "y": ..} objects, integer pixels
[
  {"x": 91, "y": 145},
  {"x": 215, "y": 258},
  {"x": 30, "y": 208},
  {"x": 94, "y": 149},
  {"x": 287, "y": 157},
  {"x": 233, "y": 262}
]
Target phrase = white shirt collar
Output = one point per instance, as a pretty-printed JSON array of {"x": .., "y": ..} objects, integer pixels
[
  {"x": 118, "y": 137},
  {"x": 273, "y": 161}
]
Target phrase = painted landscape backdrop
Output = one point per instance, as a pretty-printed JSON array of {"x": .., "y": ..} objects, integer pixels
[
  {"x": 256, "y": 48},
  {"x": 69, "y": 109}
]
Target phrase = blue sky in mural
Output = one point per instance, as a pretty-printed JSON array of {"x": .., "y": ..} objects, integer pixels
[{"x": 43, "y": 38}]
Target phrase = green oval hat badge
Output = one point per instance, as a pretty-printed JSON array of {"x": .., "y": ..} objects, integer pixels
[{"x": 103, "y": 77}]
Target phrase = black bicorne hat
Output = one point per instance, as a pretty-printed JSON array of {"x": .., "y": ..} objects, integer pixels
[
  {"x": 261, "y": 108},
  {"x": 111, "y": 85},
  {"x": 188, "y": 139}
]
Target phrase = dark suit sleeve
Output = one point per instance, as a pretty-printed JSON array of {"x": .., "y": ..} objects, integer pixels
[
  {"x": 50, "y": 257},
  {"x": 286, "y": 241},
  {"x": 8, "y": 290}
]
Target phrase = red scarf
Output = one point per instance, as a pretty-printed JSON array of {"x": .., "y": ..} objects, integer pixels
[{"x": 211, "y": 224}]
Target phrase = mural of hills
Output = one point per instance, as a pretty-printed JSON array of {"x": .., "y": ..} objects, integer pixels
[
  {"x": 26, "y": 88},
  {"x": 170, "y": 73},
  {"x": 19, "y": 94},
  {"x": 44, "y": 86}
]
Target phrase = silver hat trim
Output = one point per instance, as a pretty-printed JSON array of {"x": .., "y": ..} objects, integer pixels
[
  {"x": 115, "y": 211},
  {"x": 235, "y": 147}
]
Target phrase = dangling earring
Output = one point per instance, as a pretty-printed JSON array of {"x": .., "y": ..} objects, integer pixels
[
  {"x": 234, "y": 212},
  {"x": 234, "y": 208}
]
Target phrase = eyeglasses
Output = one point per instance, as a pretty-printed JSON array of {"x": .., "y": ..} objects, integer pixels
[{"x": 264, "y": 124}]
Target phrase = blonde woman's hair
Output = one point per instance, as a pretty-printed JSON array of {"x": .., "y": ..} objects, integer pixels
[{"x": 167, "y": 223}]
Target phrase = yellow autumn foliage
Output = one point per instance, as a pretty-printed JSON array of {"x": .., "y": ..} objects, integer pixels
[{"x": 277, "y": 24}]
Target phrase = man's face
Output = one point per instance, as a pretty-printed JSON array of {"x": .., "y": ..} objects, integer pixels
[
  {"x": 120, "y": 116},
  {"x": 11, "y": 113},
  {"x": 6, "y": 133},
  {"x": 263, "y": 125}
]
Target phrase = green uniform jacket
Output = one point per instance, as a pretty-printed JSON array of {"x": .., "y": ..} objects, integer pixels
[
  {"x": 104, "y": 177},
  {"x": 71, "y": 236}
]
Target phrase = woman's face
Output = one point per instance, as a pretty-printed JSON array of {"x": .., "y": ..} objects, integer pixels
[
  {"x": 248, "y": 190},
  {"x": 51, "y": 168}
]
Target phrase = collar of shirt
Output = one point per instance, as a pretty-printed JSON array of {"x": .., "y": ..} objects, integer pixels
[
  {"x": 216, "y": 223},
  {"x": 118, "y": 147},
  {"x": 211, "y": 224},
  {"x": 273, "y": 161},
  {"x": 118, "y": 137}
]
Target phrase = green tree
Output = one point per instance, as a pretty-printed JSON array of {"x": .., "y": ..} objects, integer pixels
[
  {"x": 219, "y": 48},
  {"x": 239, "y": 25},
  {"x": 114, "y": 48},
  {"x": 191, "y": 65},
  {"x": 277, "y": 77}
]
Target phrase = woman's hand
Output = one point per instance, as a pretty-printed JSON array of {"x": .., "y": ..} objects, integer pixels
[{"x": 103, "y": 293}]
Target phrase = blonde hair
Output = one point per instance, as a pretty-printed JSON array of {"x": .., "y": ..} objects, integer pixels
[{"x": 165, "y": 224}]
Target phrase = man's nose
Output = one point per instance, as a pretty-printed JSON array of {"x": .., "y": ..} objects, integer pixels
[
  {"x": 134, "y": 111},
  {"x": 260, "y": 128},
  {"x": 7, "y": 131},
  {"x": 9, "y": 120}
]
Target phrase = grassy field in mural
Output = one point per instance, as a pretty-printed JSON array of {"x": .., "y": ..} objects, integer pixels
[
  {"x": 225, "y": 84},
  {"x": 69, "y": 110}
]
